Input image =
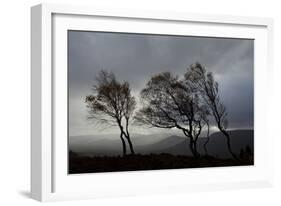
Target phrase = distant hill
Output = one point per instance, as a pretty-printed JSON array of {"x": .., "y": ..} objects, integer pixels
[
  {"x": 160, "y": 145},
  {"x": 217, "y": 144},
  {"x": 111, "y": 146},
  {"x": 102, "y": 145}
]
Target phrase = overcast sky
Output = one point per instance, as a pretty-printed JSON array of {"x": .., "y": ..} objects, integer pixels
[{"x": 136, "y": 57}]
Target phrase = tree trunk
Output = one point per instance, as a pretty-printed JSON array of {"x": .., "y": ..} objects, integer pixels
[
  {"x": 228, "y": 143},
  {"x": 207, "y": 140},
  {"x": 205, "y": 146},
  {"x": 193, "y": 148},
  {"x": 121, "y": 137},
  {"x": 130, "y": 143},
  {"x": 123, "y": 144},
  {"x": 197, "y": 154},
  {"x": 127, "y": 135}
]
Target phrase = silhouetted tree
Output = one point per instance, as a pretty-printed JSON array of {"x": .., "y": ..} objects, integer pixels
[
  {"x": 112, "y": 103},
  {"x": 210, "y": 94},
  {"x": 170, "y": 103}
]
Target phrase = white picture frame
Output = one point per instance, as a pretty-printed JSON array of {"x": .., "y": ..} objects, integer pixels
[{"x": 49, "y": 180}]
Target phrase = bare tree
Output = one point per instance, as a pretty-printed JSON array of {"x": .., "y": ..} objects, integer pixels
[
  {"x": 111, "y": 103},
  {"x": 170, "y": 103},
  {"x": 206, "y": 83}
]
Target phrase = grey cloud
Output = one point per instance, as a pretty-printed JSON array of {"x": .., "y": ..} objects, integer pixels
[{"x": 135, "y": 58}]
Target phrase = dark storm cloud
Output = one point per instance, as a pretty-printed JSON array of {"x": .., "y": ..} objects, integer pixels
[{"x": 135, "y": 58}]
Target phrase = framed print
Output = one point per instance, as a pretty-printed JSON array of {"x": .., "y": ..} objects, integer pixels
[{"x": 154, "y": 102}]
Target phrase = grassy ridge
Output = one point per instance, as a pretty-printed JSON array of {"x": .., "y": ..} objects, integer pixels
[{"x": 81, "y": 164}]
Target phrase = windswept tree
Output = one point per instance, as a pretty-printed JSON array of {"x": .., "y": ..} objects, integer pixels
[
  {"x": 210, "y": 93},
  {"x": 112, "y": 103},
  {"x": 170, "y": 103}
]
